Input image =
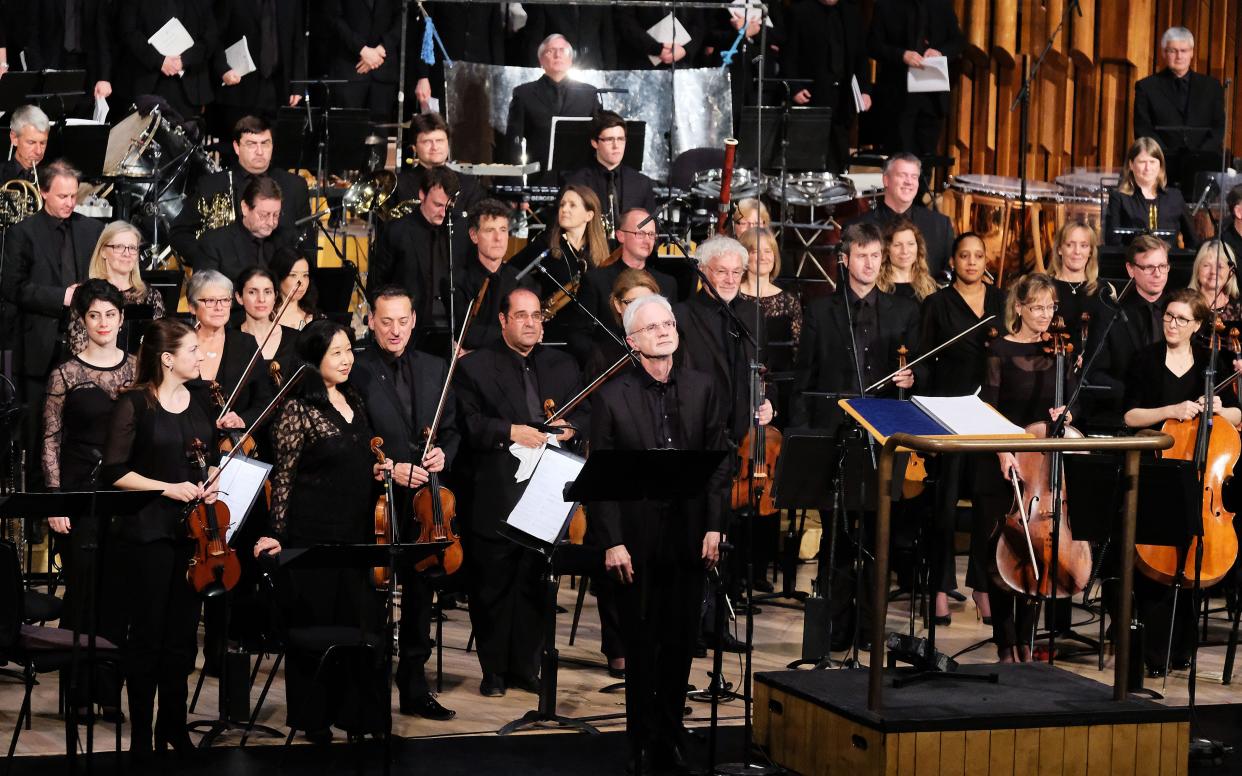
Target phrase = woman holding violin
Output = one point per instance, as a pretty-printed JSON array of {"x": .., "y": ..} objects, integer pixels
[
  {"x": 324, "y": 487},
  {"x": 1075, "y": 267},
  {"x": 152, "y": 427},
  {"x": 1166, "y": 383}
]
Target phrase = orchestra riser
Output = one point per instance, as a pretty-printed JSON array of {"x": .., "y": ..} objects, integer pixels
[{"x": 815, "y": 722}]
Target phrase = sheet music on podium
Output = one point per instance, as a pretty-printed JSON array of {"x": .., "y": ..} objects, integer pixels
[{"x": 542, "y": 511}]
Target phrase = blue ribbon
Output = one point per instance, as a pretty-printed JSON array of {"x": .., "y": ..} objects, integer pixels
[
  {"x": 726, "y": 57},
  {"x": 430, "y": 34}
]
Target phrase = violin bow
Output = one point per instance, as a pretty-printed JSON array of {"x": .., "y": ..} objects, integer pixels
[
  {"x": 932, "y": 352},
  {"x": 280, "y": 395}
]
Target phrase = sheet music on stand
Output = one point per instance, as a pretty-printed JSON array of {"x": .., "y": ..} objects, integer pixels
[
  {"x": 542, "y": 512},
  {"x": 240, "y": 484}
]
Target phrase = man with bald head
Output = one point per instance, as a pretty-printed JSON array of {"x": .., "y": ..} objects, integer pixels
[{"x": 554, "y": 93}]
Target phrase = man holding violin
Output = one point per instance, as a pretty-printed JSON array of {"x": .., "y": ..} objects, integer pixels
[{"x": 401, "y": 387}]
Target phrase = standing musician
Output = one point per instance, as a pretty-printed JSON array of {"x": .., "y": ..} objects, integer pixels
[
  {"x": 116, "y": 260},
  {"x": 901, "y": 187},
  {"x": 1020, "y": 383},
  {"x": 501, "y": 389},
  {"x": 782, "y": 310},
  {"x": 293, "y": 278},
  {"x": 151, "y": 428},
  {"x": 183, "y": 80},
  {"x": 617, "y": 187},
  {"x": 489, "y": 231},
  {"x": 1144, "y": 200},
  {"x": 904, "y": 271},
  {"x": 218, "y": 198},
  {"x": 364, "y": 42},
  {"x": 256, "y": 293},
  {"x": 324, "y": 487},
  {"x": 432, "y": 149},
  {"x": 469, "y": 32},
  {"x": 1075, "y": 267},
  {"x": 72, "y": 36},
  {"x": 251, "y": 240},
  {"x": 656, "y": 550},
  {"x": 28, "y": 130},
  {"x": 534, "y": 104},
  {"x": 400, "y": 387},
  {"x": 1165, "y": 382}
]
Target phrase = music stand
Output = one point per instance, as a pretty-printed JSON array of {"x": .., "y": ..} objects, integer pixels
[
  {"x": 798, "y": 484},
  {"x": 292, "y": 147},
  {"x": 167, "y": 282},
  {"x": 803, "y": 140},
  {"x": 15, "y": 88},
  {"x": 84, "y": 145}
]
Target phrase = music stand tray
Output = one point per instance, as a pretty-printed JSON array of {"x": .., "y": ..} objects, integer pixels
[{"x": 83, "y": 145}]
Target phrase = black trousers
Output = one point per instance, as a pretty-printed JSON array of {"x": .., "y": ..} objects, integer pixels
[
  {"x": 506, "y": 605},
  {"x": 915, "y": 124},
  {"x": 414, "y": 635}
]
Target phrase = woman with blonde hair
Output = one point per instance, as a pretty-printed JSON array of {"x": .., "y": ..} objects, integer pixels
[
  {"x": 1143, "y": 201},
  {"x": 749, "y": 214},
  {"x": 781, "y": 309},
  {"x": 115, "y": 259},
  {"x": 1074, "y": 265},
  {"x": 904, "y": 269},
  {"x": 1208, "y": 277}
]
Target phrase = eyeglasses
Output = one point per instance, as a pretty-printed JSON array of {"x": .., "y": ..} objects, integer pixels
[
  {"x": 654, "y": 328},
  {"x": 1176, "y": 320},
  {"x": 1040, "y": 309},
  {"x": 728, "y": 273},
  {"x": 124, "y": 250},
  {"x": 524, "y": 317},
  {"x": 642, "y": 235},
  {"x": 1151, "y": 269},
  {"x": 219, "y": 301},
  {"x": 617, "y": 140}
]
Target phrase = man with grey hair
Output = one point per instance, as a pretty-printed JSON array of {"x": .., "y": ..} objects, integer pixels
[
  {"x": 534, "y": 104},
  {"x": 656, "y": 551},
  {"x": 901, "y": 187},
  {"x": 1182, "y": 109},
  {"x": 28, "y": 130}
]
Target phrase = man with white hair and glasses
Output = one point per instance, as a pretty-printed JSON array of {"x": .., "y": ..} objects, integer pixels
[{"x": 554, "y": 93}]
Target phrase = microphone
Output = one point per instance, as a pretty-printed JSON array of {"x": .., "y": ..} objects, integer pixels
[
  {"x": 529, "y": 268},
  {"x": 312, "y": 217}
]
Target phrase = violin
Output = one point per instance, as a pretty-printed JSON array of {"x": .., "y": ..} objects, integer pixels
[
  {"x": 232, "y": 435},
  {"x": 1214, "y": 448},
  {"x": 273, "y": 371},
  {"x": 757, "y": 456},
  {"x": 435, "y": 509},
  {"x": 577, "y": 523},
  {"x": 381, "y": 576},
  {"x": 916, "y": 467},
  {"x": 214, "y": 568},
  {"x": 1027, "y": 562}
]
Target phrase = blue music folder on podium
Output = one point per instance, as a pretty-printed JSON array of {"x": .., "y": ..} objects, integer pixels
[{"x": 961, "y": 417}]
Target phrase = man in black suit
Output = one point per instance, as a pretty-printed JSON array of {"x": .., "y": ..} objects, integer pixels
[
  {"x": 402, "y": 388},
  {"x": 903, "y": 33},
  {"x": 365, "y": 41},
  {"x": 534, "y": 104},
  {"x": 432, "y": 149},
  {"x": 471, "y": 32},
  {"x": 28, "y": 130},
  {"x": 275, "y": 37},
  {"x": 1179, "y": 97},
  {"x": 901, "y": 187},
  {"x": 636, "y": 47},
  {"x": 73, "y": 36},
  {"x": 252, "y": 142},
  {"x": 501, "y": 389},
  {"x": 183, "y": 80},
  {"x": 619, "y": 188},
  {"x": 656, "y": 551},
  {"x": 489, "y": 233},
  {"x": 589, "y": 29},
  {"x": 826, "y": 44},
  {"x": 250, "y": 241}
]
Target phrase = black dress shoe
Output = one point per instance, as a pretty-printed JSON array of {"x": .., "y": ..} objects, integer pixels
[
  {"x": 527, "y": 683},
  {"x": 700, "y": 649},
  {"x": 942, "y": 620},
  {"x": 320, "y": 736},
  {"x": 178, "y": 740},
  {"x": 764, "y": 585},
  {"x": 616, "y": 673},
  {"x": 492, "y": 686},
  {"x": 427, "y": 707}
]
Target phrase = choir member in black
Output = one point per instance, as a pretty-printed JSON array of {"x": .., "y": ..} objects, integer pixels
[
  {"x": 293, "y": 278},
  {"x": 553, "y": 94},
  {"x": 1232, "y": 234},
  {"x": 324, "y": 487},
  {"x": 501, "y": 389},
  {"x": 1020, "y": 383},
  {"x": 902, "y": 34},
  {"x": 80, "y": 395},
  {"x": 1147, "y": 264},
  {"x": 432, "y": 149},
  {"x": 183, "y": 80},
  {"x": 72, "y": 36},
  {"x": 489, "y": 231},
  {"x": 958, "y": 370},
  {"x": 782, "y": 310},
  {"x": 1143, "y": 201},
  {"x": 256, "y": 293},
  {"x": 28, "y": 130},
  {"x": 589, "y": 29},
  {"x": 150, "y": 429},
  {"x": 656, "y": 551},
  {"x": 1075, "y": 267},
  {"x": 470, "y": 32},
  {"x": 252, "y": 239},
  {"x": 1182, "y": 109},
  {"x": 1212, "y": 277},
  {"x": 904, "y": 271},
  {"x": 276, "y": 39},
  {"x": 418, "y": 251},
  {"x": 400, "y": 387},
  {"x": 1165, "y": 382},
  {"x": 116, "y": 260},
  {"x": 901, "y": 187},
  {"x": 252, "y": 143},
  {"x": 617, "y": 187},
  {"x": 365, "y": 46},
  {"x": 827, "y": 45},
  {"x": 636, "y": 47}
]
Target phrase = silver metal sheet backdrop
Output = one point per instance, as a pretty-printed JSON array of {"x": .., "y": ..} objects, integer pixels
[{"x": 699, "y": 99}]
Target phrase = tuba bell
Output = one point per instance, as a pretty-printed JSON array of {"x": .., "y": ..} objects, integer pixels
[{"x": 18, "y": 199}]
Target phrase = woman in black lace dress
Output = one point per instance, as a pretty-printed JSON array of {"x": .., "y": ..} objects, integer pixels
[
  {"x": 80, "y": 395},
  {"x": 782, "y": 312},
  {"x": 324, "y": 487}
]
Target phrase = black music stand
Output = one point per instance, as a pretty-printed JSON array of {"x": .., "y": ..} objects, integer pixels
[
  {"x": 83, "y": 145},
  {"x": 570, "y": 147},
  {"x": 797, "y": 145},
  {"x": 799, "y": 484},
  {"x": 85, "y": 507},
  {"x": 25, "y": 88}
]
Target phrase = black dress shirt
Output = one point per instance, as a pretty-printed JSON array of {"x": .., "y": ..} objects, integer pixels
[{"x": 660, "y": 408}]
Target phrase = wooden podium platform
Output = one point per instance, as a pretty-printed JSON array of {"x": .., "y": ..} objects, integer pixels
[{"x": 1037, "y": 719}]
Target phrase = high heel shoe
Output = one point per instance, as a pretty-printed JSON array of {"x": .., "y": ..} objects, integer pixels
[{"x": 177, "y": 740}]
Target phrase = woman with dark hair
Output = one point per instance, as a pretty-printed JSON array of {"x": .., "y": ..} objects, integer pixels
[
  {"x": 1143, "y": 201},
  {"x": 151, "y": 428},
  {"x": 256, "y": 293},
  {"x": 80, "y": 395},
  {"x": 292, "y": 273},
  {"x": 323, "y": 492}
]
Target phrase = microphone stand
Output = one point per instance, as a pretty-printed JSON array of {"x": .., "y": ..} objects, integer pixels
[{"x": 625, "y": 348}]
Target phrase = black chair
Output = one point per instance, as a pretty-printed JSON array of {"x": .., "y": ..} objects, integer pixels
[
  {"x": 691, "y": 161},
  {"x": 38, "y": 649}
]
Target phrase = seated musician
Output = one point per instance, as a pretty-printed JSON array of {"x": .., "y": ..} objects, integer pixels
[
  {"x": 535, "y": 104},
  {"x": 324, "y": 487},
  {"x": 432, "y": 148},
  {"x": 1165, "y": 382},
  {"x": 489, "y": 231},
  {"x": 292, "y": 273},
  {"x": 217, "y": 199},
  {"x": 400, "y": 387},
  {"x": 901, "y": 187},
  {"x": 252, "y": 240},
  {"x": 116, "y": 260},
  {"x": 501, "y": 390},
  {"x": 1144, "y": 202},
  {"x": 748, "y": 214},
  {"x": 619, "y": 188},
  {"x": 656, "y": 551},
  {"x": 28, "y": 130},
  {"x": 1215, "y": 281}
]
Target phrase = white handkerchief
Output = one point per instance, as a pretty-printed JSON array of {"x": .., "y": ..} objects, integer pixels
[
  {"x": 528, "y": 458},
  {"x": 101, "y": 110}
]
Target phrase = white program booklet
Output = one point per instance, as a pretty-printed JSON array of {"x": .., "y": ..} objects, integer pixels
[
  {"x": 967, "y": 415},
  {"x": 543, "y": 511},
  {"x": 238, "y": 58},
  {"x": 668, "y": 30},
  {"x": 173, "y": 39},
  {"x": 933, "y": 76}
]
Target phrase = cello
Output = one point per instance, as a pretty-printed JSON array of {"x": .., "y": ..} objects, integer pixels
[
  {"x": 214, "y": 569},
  {"x": 381, "y": 576}
]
